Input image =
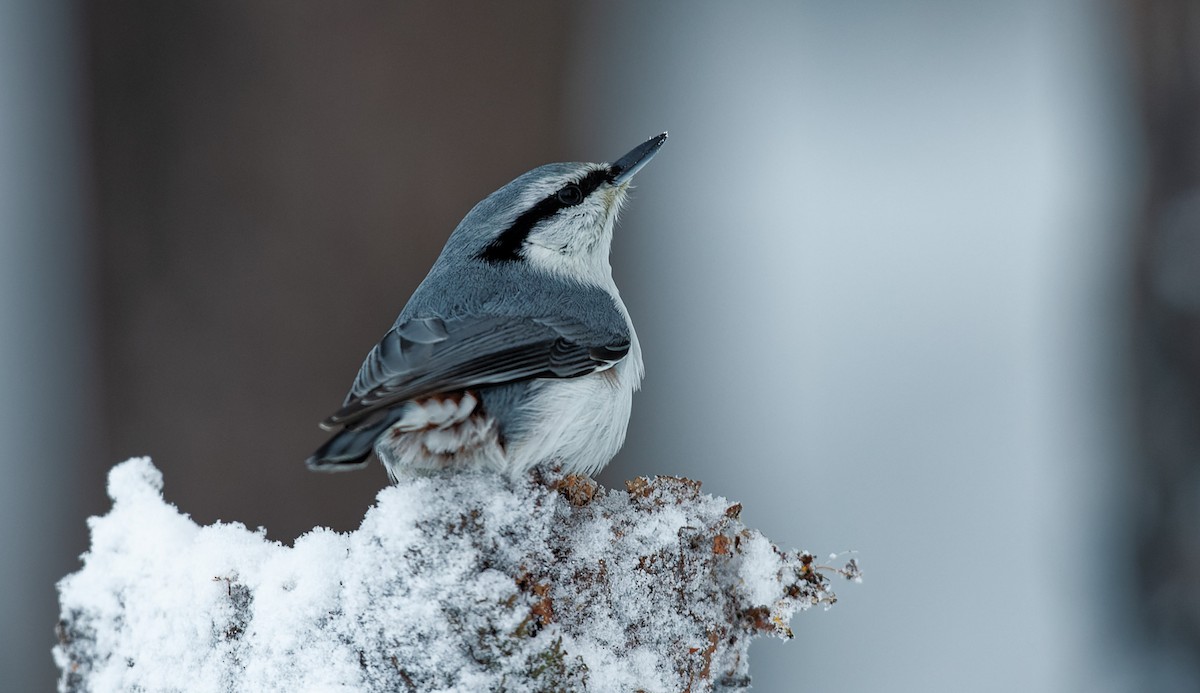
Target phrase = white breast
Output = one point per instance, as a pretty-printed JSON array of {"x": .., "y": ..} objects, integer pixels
[{"x": 581, "y": 422}]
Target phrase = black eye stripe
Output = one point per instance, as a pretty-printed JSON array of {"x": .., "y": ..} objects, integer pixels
[
  {"x": 506, "y": 246},
  {"x": 586, "y": 185}
]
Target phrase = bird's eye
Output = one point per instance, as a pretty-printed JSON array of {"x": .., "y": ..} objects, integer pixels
[{"x": 570, "y": 195}]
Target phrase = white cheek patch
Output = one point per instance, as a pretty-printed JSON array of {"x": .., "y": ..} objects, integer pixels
[{"x": 579, "y": 246}]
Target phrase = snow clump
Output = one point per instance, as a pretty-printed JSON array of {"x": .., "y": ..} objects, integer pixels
[{"x": 457, "y": 582}]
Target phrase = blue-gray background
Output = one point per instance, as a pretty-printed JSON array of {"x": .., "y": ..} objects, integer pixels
[{"x": 885, "y": 273}]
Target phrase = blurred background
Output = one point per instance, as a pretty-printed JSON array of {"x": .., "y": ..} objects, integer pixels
[{"x": 919, "y": 280}]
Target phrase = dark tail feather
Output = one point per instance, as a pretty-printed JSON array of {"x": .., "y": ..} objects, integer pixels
[{"x": 350, "y": 448}]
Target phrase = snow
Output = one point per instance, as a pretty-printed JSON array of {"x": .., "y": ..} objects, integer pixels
[{"x": 460, "y": 582}]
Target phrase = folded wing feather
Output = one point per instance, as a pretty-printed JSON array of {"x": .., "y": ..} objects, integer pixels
[{"x": 427, "y": 356}]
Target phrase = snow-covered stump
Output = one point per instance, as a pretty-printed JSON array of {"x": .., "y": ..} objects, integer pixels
[{"x": 464, "y": 582}]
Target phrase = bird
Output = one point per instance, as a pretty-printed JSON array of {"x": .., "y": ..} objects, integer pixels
[{"x": 516, "y": 350}]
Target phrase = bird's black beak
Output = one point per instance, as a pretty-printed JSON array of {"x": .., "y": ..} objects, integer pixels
[{"x": 632, "y": 162}]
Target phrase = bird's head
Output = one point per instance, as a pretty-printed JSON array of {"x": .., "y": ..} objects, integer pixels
[{"x": 557, "y": 218}]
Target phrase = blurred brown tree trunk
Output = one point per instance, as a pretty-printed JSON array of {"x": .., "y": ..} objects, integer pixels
[
  {"x": 1167, "y": 331},
  {"x": 272, "y": 180}
]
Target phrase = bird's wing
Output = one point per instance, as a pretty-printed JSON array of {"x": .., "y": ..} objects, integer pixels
[{"x": 426, "y": 356}]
